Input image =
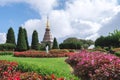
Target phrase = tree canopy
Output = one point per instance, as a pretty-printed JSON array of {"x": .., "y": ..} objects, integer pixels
[
  {"x": 10, "y": 36},
  {"x": 35, "y": 41},
  {"x": 112, "y": 40},
  {"x": 21, "y": 41},
  {"x": 55, "y": 44},
  {"x": 26, "y": 38},
  {"x": 74, "y": 43}
]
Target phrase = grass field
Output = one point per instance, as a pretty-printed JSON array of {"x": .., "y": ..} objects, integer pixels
[{"x": 44, "y": 66}]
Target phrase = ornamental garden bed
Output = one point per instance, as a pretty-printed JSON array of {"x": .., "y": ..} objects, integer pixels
[
  {"x": 43, "y": 66},
  {"x": 52, "y": 53},
  {"x": 95, "y": 66},
  {"x": 9, "y": 71}
]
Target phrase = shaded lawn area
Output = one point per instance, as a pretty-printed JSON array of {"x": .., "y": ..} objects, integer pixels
[{"x": 44, "y": 66}]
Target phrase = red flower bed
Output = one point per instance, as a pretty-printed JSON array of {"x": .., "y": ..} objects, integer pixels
[
  {"x": 95, "y": 66},
  {"x": 52, "y": 53},
  {"x": 8, "y": 71},
  {"x": 30, "y": 54}
]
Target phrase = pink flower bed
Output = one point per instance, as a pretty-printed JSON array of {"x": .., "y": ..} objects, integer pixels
[{"x": 95, "y": 66}]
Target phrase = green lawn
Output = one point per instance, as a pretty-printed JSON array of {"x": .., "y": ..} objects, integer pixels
[{"x": 43, "y": 66}]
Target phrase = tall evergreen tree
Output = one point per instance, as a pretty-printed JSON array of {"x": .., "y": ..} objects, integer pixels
[
  {"x": 55, "y": 44},
  {"x": 26, "y": 38},
  {"x": 35, "y": 41},
  {"x": 10, "y": 36},
  {"x": 21, "y": 42}
]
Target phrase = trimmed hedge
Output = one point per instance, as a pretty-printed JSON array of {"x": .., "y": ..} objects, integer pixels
[
  {"x": 7, "y": 47},
  {"x": 6, "y": 53}
]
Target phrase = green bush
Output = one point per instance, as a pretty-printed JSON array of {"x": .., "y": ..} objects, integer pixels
[
  {"x": 117, "y": 53},
  {"x": 71, "y": 45},
  {"x": 6, "y": 53},
  {"x": 7, "y": 47},
  {"x": 116, "y": 49},
  {"x": 99, "y": 49},
  {"x": 112, "y": 40},
  {"x": 72, "y": 50}
]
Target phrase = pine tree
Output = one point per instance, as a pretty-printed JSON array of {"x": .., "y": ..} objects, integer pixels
[
  {"x": 21, "y": 42},
  {"x": 26, "y": 38},
  {"x": 10, "y": 36},
  {"x": 35, "y": 41},
  {"x": 55, "y": 44}
]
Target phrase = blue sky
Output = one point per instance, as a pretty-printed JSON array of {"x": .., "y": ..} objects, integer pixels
[
  {"x": 86, "y": 19},
  {"x": 14, "y": 15}
]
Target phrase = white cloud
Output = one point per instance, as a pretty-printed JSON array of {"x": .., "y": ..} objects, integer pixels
[
  {"x": 42, "y": 6},
  {"x": 80, "y": 18},
  {"x": 60, "y": 24},
  {"x": 93, "y": 37},
  {"x": 89, "y": 16},
  {"x": 88, "y": 27},
  {"x": 34, "y": 24},
  {"x": 2, "y": 38},
  {"x": 111, "y": 25},
  {"x": 91, "y": 9}
]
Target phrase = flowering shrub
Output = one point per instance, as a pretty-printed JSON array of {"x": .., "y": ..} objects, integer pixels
[
  {"x": 95, "y": 66},
  {"x": 60, "y": 52},
  {"x": 30, "y": 54},
  {"x": 36, "y": 76},
  {"x": 52, "y": 53},
  {"x": 8, "y": 71}
]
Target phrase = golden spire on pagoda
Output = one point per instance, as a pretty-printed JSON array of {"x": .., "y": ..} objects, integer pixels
[{"x": 47, "y": 24}]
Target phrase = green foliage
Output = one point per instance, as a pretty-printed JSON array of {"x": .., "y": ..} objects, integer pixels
[
  {"x": 117, "y": 53},
  {"x": 6, "y": 53},
  {"x": 26, "y": 38},
  {"x": 71, "y": 45},
  {"x": 42, "y": 47},
  {"x": 55, "y": 44},
  {"x": 112, "y": 40},
  {"x": 44, "y": 66},
  {"x": 74, "y": 43},
  {"x": 72, "y": 50},
  {"x": 21, "y": 41},
  {"x": 99, "y": 49},
  {"x": 10, "y": 36},
  {"x": 35, "y": 41},
  {"x": 7, "y": 47},
  {"x": 70, "y": 40}
]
